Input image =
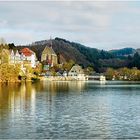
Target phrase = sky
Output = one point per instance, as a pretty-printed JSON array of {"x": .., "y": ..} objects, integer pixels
[{"x": 97, "y": 24}]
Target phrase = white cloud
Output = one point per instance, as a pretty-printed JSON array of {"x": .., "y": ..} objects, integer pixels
[
  {"x": 86, "y": 22},
  {"x": 3, "y": 23}
]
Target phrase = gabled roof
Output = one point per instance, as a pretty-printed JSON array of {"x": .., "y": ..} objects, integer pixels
[
  {"x": 77, "y": 68},
  {"x": 26, "y": 52},
  {"x": 14, "y": 52},
  {"x": 49, "y": 50}
]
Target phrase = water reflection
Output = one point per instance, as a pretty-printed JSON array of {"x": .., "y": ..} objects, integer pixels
[
  {"x": 19, "y": 97},
  {"x": 69, "y": 110}
]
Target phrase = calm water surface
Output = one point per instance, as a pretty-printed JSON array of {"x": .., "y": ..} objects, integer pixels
[{"x": 70, "y": 110}]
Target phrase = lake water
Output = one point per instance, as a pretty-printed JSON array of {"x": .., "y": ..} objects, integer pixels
[{"x": 70, "y": 110}]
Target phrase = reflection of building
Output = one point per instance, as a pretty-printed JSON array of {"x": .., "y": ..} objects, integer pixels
[
  {"x": 76, "y": 86},
  {"x": 49, "y": 56},
  {"x": 55, "y": 87},
  {"x": 77, "y": 72}
]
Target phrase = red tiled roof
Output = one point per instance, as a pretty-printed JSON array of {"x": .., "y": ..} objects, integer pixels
[{"x": 26, "y": 51}]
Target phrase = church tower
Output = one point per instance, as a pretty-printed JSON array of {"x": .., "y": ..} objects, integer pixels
[{"x": 48, "y": 55}]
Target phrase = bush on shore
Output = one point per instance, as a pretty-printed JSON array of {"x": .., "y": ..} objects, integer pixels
[{"x": 123, "y": 74}]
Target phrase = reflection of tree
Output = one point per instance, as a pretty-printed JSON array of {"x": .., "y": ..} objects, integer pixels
[
  {"x": 17, "y": 98},
  {"x": 76, "y": 86}
]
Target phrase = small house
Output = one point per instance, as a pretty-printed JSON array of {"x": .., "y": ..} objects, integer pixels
[{"x": 77, "y": 73}]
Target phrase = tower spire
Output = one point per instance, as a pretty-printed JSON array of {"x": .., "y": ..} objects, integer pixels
[{"x": 50, "y": 41}]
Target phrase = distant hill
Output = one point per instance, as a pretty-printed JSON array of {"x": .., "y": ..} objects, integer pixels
[
  {"x": 61, "y": 48},
  {"x": 138, "y": 50},
  {"x": 86, "y": 56},
  {"x": 123, "y": 52},
  {"x": 81, "y": 54}
]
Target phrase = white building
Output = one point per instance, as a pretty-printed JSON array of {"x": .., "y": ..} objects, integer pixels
[
  {"x": 25, "y": 55},
  {"x": 15, "y": 57},
  {"x": 77, "y": 73},
  {"x": 28, "y": 55}
]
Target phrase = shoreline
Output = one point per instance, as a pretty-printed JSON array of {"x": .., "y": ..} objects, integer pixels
[{"x": 60, "y": 79}]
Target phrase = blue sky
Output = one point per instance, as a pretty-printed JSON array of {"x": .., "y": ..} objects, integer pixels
[{"x": 103, "y": 24}]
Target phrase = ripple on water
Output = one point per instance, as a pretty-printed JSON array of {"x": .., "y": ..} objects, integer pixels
[{"x": 71, "y": 110}]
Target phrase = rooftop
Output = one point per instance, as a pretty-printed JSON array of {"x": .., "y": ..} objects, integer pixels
[{"x": 26, "y": 52}]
